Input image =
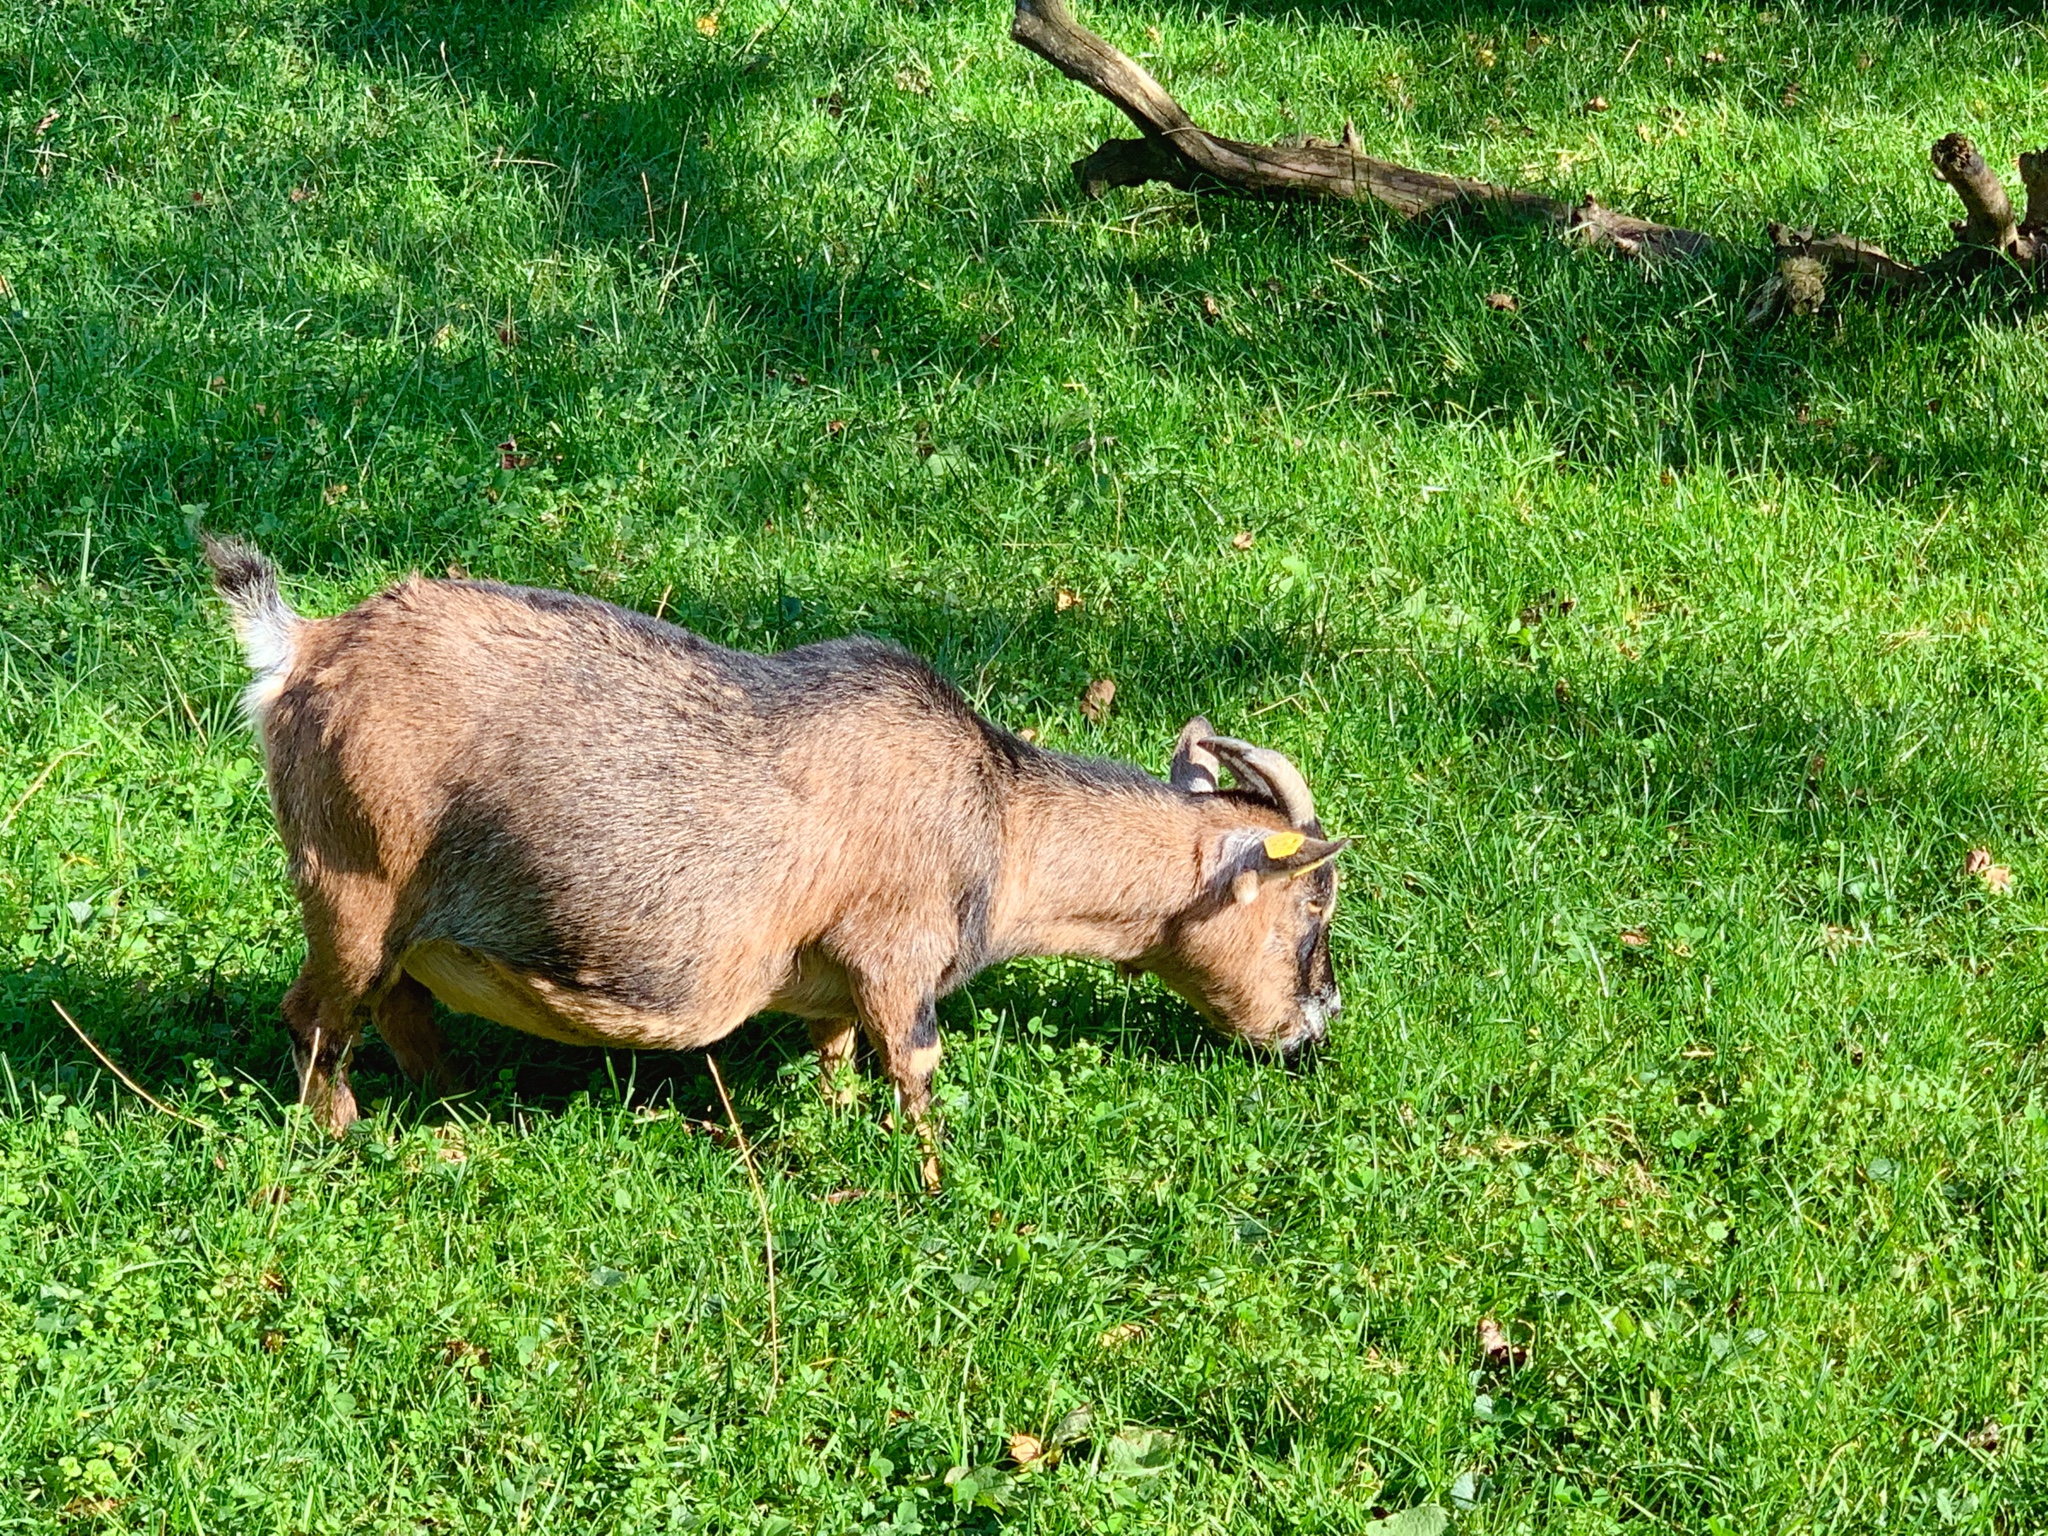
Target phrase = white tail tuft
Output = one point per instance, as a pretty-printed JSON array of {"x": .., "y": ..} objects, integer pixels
[{"x": 247, "y": 582}]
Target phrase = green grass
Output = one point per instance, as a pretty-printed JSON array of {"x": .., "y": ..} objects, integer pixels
[{"x": 1664, "y": 672}]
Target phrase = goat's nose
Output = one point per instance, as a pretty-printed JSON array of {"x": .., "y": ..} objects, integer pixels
[{"x": 1300, "y": 1053}]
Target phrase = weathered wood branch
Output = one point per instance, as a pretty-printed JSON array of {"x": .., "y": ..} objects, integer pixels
[
  {"x": 1176, "y": 150},
  {"x": 1991, "y": 225},
  {"x": 2034, "y": 177}
]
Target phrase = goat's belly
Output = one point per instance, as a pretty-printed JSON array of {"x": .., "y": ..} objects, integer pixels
[{"x": 469, "y": 982}]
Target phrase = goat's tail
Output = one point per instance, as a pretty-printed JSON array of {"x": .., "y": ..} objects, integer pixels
[{"x": 247, "y": 582}]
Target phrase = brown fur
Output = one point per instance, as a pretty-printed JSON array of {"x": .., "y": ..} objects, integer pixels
[{"x": 601, "y": 829}]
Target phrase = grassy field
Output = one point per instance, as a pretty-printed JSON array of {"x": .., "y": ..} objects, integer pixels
[{"x": 1665, "y": 672}]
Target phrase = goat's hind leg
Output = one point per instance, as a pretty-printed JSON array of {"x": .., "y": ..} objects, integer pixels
[
  {"x": 404, "y": 1015},
  {"x": 324, "y": 1017}
]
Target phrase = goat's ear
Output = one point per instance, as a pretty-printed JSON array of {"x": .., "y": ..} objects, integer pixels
[
  {"x": 1194, "y": 766},
  {"x": 1246, "y": 861}
]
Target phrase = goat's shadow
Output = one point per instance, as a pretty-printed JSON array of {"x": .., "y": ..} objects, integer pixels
[{"x": 159, "y": 1032}]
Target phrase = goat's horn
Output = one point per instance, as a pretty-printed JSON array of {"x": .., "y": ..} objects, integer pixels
[
  {"x": 1265, "y": 772},
  {"x": 1194, "y": 766}
]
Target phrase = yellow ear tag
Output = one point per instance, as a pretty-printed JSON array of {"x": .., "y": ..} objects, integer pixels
[{"x": 1284, "y": 845}]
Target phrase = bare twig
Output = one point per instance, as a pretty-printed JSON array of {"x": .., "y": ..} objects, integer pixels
[
  {"x": 767, "y": 1228},
  {"x": 133, "y": 1086},
  {"x": 37, "y": 783},
  {"x": 291, "y": 1137}
]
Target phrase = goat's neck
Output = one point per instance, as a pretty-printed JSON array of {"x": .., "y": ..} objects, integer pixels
[{"x": 1094, "y": 871}]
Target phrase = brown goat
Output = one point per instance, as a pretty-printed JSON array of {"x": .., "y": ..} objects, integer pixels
[{"x": 587, "y": 824}]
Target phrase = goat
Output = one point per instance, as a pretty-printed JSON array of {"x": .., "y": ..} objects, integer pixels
[{"x": 582, "y": 822}]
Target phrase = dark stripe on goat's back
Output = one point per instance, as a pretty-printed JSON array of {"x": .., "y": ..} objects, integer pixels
[{"x": 595, "y": 610}]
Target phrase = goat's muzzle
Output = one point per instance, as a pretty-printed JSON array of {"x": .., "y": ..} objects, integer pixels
[{"x": 1298, "y": 1052}]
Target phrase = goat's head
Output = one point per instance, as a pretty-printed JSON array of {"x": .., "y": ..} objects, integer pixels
[{"x": 1252, "y": 952}]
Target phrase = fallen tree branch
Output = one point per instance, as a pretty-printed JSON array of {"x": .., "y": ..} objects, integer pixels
[
  {"x": 2034, "y": 177},
  {"x": 1174, "y": 149},
  {"x": 1990, "y": 225}
]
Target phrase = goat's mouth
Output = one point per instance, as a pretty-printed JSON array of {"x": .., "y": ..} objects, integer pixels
[
  {"x": 1298, "y": 1051},
  {"x": 1302, "y": 1053}
]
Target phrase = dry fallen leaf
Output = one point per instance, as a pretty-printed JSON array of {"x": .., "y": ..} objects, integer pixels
[
  {"x": 1597, "y": 104},
  {"x": 1027, "y": 734},
  {"x": 1499, "y": 1351},
  {"x": 1026, "y": 1449},
  {"x": 1241, "y": 539},
  {"x": 301, "y": 194},
  {"x": 1997, "y": 878},
  {"x": 1120, "y": 1335},
  {"x": 1835, "y": 938},
  {"x": 1210, "y": 308},
  {"x": 509, "y": 456},
  {"x": 1502, "y": 301},
  {"x": 834, "y": 428},
  {"x": 49, "y": 117},
  {"x": 841, "y": 1196},
  {"x": 1634, "y": 938},
  {"x": 217, "y": 385},
  {"x": 1063, "y": 599},
  {"x": 1096, "y": 701}
]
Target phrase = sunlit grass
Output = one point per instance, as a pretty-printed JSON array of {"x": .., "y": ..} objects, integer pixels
[{"x": 1664, "y": 672}]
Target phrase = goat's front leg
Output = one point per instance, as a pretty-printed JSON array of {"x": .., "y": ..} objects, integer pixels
[
  {"x": 834, "y": 1040},
  {"x": 904, "y": 1031}
]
